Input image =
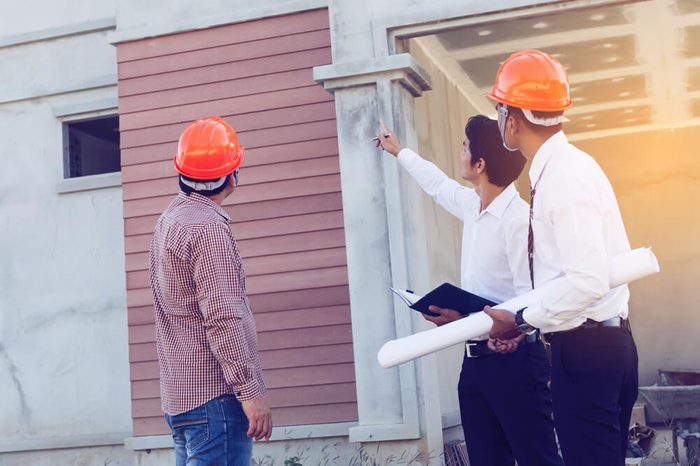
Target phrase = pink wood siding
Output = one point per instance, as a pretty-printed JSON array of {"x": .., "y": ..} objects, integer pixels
[{"x": 287, "y": 214}]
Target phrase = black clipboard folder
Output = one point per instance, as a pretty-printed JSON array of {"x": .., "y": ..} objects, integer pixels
[{"x": 447, "y": 296}]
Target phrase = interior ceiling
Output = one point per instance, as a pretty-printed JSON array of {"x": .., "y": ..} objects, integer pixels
[{"x": 632, "y": 67}]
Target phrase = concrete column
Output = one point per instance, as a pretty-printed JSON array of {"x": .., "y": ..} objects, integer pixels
[{"x": 376, "y": 237}]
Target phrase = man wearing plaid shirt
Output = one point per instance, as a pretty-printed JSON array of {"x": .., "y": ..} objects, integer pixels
[{"x": 212, "y": 389}]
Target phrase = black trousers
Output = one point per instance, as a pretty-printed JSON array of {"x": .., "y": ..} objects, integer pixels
[
  {"x": 506, "y": 409},
  {"x": 594, "y": 386}
]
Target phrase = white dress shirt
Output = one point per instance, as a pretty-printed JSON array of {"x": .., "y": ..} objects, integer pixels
[
  {"x": 494, "y": 241},
  {"x": 577, "y": 228}
]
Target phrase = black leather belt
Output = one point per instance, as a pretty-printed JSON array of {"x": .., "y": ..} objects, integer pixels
[
  {"x": 479, "y": 348},
  {"x": 614, "y": 322},
  {"x": 590, "y": 324}
]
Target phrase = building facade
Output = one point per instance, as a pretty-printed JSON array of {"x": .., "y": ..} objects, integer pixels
[{"x": 325, "y": 222}]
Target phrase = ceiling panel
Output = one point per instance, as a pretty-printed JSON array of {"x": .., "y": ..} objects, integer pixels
[
  {"x": 530, "y": 27},
  {"x": 609, "y": 119},
  {"x": 691, "y": 41},
  {"x": 577, "y": 57},
  {"x": 686, "y": 7},
  {"x": 693, "y": 83},
  {"x": 695, "y": 108},
  {"x": 637, "y": 74},
  {"x": 607, "y": 90}
]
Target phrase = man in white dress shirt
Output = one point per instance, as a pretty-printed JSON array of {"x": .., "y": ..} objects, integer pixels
[
  {"x": 504, "y": 400},
  {"x": 576, "y": 229}
]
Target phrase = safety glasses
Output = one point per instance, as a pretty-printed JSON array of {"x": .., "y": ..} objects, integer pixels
[
  {"x": 236, "y": 174},
  {"x": 502, "y": 110}
]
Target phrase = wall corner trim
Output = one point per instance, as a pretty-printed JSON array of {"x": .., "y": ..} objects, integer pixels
[{"x": 401, "y": 67}]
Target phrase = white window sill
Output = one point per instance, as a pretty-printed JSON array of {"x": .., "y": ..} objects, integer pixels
[{"x": 89, "y": 183}]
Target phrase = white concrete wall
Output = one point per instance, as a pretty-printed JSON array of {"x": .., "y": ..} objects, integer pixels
[
  {"x": 64, "y": 374},
  {"x": 26, "y": 18}
]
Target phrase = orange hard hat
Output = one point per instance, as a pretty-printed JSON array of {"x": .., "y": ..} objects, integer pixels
[
  {"x": 208, "y": 149},
  {"x": 532, "y": 80}
]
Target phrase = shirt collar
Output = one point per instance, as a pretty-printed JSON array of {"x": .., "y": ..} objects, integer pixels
[
  {"x": 544, "y": 153},
  {"x": 498, "y": 206},
  {"x": 194, "y": 197}
]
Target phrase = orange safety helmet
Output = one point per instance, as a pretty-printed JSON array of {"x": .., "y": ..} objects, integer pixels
[
  {"x": 208, "y": 149},
  {"x": 532, "y": 80}
]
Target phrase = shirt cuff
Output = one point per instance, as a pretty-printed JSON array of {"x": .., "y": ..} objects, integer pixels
[
  {"x": 536, "y": 316},
  {"x": 408, "y": 158},
  {"x": 253, "y": 389}
]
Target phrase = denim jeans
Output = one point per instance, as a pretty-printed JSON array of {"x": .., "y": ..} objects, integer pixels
[{"x": 213, "y": 434}]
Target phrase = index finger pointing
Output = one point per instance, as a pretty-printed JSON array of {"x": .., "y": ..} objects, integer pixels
[{"x": 383, "y": 126}]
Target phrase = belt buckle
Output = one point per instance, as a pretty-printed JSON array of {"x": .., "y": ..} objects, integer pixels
[{"x": 468, "y": 347}]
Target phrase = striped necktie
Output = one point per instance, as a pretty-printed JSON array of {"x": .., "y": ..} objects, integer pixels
[{"x": 531, "y": 239}]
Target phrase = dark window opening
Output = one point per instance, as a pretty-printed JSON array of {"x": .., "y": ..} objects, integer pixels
[{"x": 91, "y": 147}]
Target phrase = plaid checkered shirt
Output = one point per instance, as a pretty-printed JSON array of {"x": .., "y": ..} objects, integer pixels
[{"x": 205, "y": 331}]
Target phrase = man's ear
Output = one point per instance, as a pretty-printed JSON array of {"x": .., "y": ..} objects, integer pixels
[
  {"x": 480, "y": 165},
  {"x": 516, "y": 125}
]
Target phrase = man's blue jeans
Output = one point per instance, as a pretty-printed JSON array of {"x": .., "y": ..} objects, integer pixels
[{"x": 213, "y": 434}]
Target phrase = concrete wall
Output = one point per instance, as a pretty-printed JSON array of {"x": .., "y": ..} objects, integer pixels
[{"x": 63, "y": 343}]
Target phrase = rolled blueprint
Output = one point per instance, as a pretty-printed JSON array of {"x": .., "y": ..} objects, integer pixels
[{"x": 624, "y": 268}]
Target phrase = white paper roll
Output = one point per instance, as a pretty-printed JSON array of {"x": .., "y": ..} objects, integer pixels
[{"x": 624, "y": 268}]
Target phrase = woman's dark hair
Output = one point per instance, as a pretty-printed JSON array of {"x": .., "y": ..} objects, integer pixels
[
  {"x": 213, "y": 192},
  {"x": 502, "y": 166}
]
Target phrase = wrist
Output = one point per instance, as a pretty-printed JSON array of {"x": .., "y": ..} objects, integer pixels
[{"x": 521, "y": 325}]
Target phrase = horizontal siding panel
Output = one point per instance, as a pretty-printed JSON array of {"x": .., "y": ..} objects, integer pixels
[
  {"x": 250, "y": 177},
  {"x": 300, "y": 299},
  {"x": 138, "y": 261},
  {"x": 289, "y": 281},
  {"x": 278, "y": 117},
  {"x": 224, "y": 72},
  {"x": 265, "y": 265},
  {"x": 305, "y": 337},
  {"x": 320, "y": 414},
  {"x": 260, "y": 228},
  {"x": 310, "y": 241},
  {"x": 142, "y": 334},
  {"x": 139, "y": 297},
  {"x": 280, "y": 398},
  {"x": 310, "y": 375},
  {"x": 300, "y": 357},
  {"x": 141, "y": 352},
  {"x": 140, "y": 315},
  {"x": 271, "y": 340},
  {"x": 269, "y": 302},
  {"x": 244, "y": 194},
  {"x": 273, "y": 320},
  {"x": 295, "y": 261},
  {"x": 141, "y": 389},
  {"x": 325, "y": 305},
  {"x": 272, "y": 209},
  {"x": 254, "y": 159},
  {"x": 150, "y": 426},
  {"x": 223, "y": 35},
  {"x": 145, "y": 370},
  {"x": 272, "y": 283},
  {"x": 157, "y": 107},
  {"x": 266, "y": 47},
  {"x": 274, "y": 378}
]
